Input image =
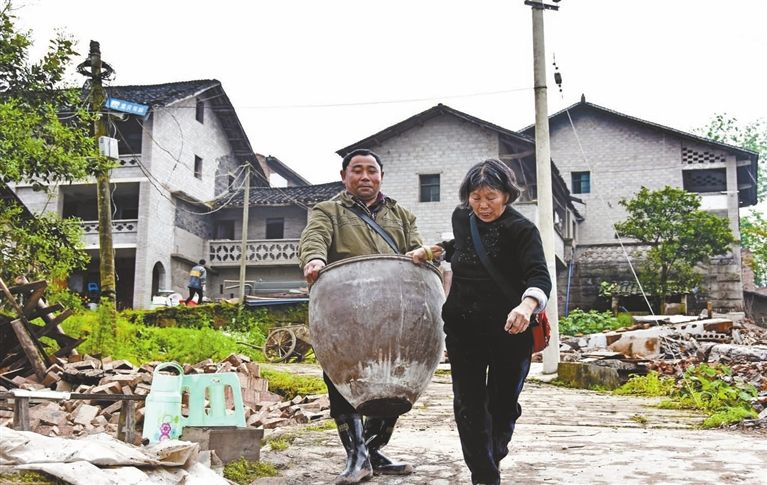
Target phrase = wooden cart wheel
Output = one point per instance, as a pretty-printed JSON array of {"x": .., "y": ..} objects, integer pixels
[{"x": 279, "y": 345}]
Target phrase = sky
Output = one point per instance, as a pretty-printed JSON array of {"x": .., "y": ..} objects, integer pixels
[{"x": 308, "y": 78}]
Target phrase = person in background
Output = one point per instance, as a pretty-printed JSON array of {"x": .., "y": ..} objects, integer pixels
[
  {"x": 196, "y": 283},
  {"x": 335, "y": 232},
  {"x": 488, "y": 334}
]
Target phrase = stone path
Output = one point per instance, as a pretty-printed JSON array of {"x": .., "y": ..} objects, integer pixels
[{"x": 564, "y": 436}]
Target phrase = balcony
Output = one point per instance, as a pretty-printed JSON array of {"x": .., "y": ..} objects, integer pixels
[
  {"x": 123, "y": 232},
  {"x": 261, "y": 252}
]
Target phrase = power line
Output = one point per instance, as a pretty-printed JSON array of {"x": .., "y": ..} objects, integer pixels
[{"x": 360, "y": 103}]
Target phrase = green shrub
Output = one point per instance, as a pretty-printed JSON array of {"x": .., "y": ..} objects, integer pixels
[
  {"x": 713, "y": 389},
  {"x": 710, "y": 389},
  {"x": 579, "y": 322}
]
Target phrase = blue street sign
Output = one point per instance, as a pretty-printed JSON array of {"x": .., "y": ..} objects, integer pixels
[{"x": 127, "y": 106}]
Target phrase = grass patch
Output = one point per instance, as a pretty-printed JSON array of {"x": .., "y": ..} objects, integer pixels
[
  {"x": 442, "y": 372},
  {"x": 638, "y": 418},
  {"x": 281, "y": 442},
  {"x": 728, "y": 416},
  {"x": 244, "y": 471},
  {"x": 140, "y": 343},
  {"x": 651, "y": 385},
  {"x": 29, "y": 478},
  {"x": 710, "y": 389},
  {"x": 324, "y": 425},
  {"x": 290, "y": 385}
]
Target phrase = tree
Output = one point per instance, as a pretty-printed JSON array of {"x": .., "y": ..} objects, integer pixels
[
  {"x": 753, "y": 232},
  {"x": 44, "y": 138},
  {"x": 752, "y": 136},
  {"x": 679, "y": 234}
]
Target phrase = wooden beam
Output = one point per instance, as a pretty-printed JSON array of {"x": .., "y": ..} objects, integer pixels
[
  {"x": 20, "y": 328},
  {"x": 28, "y": 287}
]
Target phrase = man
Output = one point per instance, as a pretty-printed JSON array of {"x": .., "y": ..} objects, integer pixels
[
  {"x": 196, "y": 281},
  {"x": 335, "y": 232}
]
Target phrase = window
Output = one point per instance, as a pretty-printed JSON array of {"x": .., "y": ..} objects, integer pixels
[
  {"x": 581, "y": 182},
  {"x": 197, "y": 167},
  {"x": 429, "y": 188},
  {"x": 705, "y": 180},
  {"x": 199, "y": 111},
  {"x": 225, "y": 230},
  {"x": 275, "y": 228},
  {"x": 129, "y": 136}
]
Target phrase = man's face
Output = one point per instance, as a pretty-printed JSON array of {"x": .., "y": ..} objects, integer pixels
[{"x": 362, "y": 177}]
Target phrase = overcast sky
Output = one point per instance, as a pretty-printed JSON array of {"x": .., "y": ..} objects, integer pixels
[{"x": 308, "y": 77}]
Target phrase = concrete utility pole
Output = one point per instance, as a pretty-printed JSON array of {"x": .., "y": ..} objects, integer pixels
[
  {"x": 98, "y": 71},
  {"x": 244, "y": 243},
  {"x": 543, "y": 162}
]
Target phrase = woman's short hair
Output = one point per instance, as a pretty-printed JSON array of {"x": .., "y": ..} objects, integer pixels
[{"x": 491, "y": 173}]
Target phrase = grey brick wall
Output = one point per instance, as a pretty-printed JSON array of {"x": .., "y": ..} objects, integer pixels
[
  {"x": 624, "y": 156},
  {"x": 444, "y": 145}
]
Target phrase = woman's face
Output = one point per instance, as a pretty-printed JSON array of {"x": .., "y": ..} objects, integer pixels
[{"x": 487, "y": 203}]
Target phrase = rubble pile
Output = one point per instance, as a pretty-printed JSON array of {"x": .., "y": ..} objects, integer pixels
[
  {"x": 671, "y": 344},
  {"x": 88, "y": 375}
]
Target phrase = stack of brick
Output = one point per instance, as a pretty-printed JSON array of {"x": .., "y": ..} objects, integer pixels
[{"x": 88, "y": 375}]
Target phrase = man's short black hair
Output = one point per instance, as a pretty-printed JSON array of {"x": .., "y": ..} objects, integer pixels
[
  {"x": 491, "y": 173},
  {"x": 363, "y": 152},
  {"x": 202, "y": 262}
]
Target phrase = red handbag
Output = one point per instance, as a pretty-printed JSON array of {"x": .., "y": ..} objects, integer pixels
[{"x": 541, "y": 332}]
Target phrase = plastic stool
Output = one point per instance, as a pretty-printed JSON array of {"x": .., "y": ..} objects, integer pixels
[{"x": 216, "y": 414}]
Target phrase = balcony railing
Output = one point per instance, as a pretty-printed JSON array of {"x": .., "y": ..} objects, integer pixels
[
  {"x": 123, "y": 231},
  {"x": 261, "y": 252}
]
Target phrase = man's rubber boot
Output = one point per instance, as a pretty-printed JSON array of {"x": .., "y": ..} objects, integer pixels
[
  {"x": 378, "y": 432},
  {"x": 358, "y": 467}
]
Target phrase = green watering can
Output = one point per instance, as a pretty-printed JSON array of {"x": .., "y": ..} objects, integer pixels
[{"x": 163, "y": 419}]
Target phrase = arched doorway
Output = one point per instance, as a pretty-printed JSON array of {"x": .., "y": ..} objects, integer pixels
[{"x": 158, "y": 278}]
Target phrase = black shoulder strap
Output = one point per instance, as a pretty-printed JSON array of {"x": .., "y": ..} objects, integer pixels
[
  {"x": 376, "y": 227},
  {"x": 479, "y": 248}
]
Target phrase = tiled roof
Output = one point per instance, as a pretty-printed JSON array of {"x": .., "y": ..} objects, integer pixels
[
  {"x": 301, "y": 195},
  {"x": 748, "y": 194},
  {"x": 161, "y": 94},
  {"x": 422, "y": 117}
]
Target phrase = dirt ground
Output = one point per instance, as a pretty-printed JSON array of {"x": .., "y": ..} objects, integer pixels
[{"x": 564, "y": 436}]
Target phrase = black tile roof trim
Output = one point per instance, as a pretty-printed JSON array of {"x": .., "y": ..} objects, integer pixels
[
  {"x": 161, "y": 96},
  {"x": 280, "y": 196}
]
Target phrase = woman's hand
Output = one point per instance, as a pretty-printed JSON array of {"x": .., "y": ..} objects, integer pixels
[
  {"x": 519, "y": 317},
  {"x": 425, "y": 254}
]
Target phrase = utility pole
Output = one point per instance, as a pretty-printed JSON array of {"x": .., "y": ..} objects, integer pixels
[
  {"x": 98, "y": 71},
  {"x": 543, "y": 162},
  {"x": 244, "y": 243}
]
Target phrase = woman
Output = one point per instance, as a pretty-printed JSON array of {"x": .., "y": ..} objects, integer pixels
[{"x": 488, "y": 338}]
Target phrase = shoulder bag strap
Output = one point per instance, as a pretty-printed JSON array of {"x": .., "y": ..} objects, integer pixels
[
  {"x": 499, "y": 279},
  {"x": 376, "y": 227}
]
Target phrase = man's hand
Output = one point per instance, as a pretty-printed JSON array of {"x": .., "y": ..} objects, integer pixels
[
  {"x": 422, "y": 254},
  {"x": 519, "y": 318},
  {"x": 312, "y": 270}
]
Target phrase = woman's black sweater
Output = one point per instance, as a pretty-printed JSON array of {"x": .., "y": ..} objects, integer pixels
[{"x": 476, "y": 304}]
